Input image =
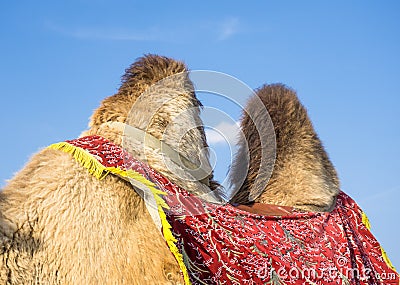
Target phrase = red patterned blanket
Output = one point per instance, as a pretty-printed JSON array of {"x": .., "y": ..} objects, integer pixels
[{"x": 221, "y": 244}]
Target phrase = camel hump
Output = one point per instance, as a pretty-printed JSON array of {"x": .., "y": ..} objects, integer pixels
[
  {"x": 150, "y": 69},
  {"x": 303, "y": 175}
]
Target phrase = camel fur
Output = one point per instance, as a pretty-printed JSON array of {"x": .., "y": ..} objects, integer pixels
[
  {"x": 303, "y": 176},
  {"x": 61, "y": 225}
]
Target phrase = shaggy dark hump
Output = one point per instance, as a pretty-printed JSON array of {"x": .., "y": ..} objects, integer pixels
[
  {"x": 141, "y": 75},
  {"x": 296, "y": 141},
  {"x": 295, "y": 134},
  {"x": 149, "y": 70}
]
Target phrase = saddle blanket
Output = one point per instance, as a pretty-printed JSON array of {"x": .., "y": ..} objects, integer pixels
[{"x": 222, "y": 244}]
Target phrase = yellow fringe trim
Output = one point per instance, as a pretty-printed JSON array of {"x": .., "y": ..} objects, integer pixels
[
  {"x": 365, "y": 221},
  {"x": 100, "y": 171},
  {"x": 367, "y": 224},
  {"x": 387, "y": 260},
  {"x": 83, "y": 157}
]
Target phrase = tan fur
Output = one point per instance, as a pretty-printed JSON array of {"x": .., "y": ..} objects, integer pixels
[
  {"x": 60, "y": 225},
  {"x": 303, "y": 176}
]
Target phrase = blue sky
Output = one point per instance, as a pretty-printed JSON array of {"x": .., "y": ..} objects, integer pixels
[{"x": 60, "y": 59}]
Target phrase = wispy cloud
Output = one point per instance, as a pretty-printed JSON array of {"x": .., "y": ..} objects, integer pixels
[
  {"x": 107, "y": 33},
  {"x": 381, "y": 195},
  {"x": 85, "y": 33},
  {"x": 228, "y": 28},
  {"x": 223, "y": 133},
  {"x": 220, "y": 30}
]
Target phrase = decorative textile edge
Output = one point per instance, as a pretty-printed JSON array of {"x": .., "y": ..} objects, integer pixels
[{"x": 88, "y": 161}]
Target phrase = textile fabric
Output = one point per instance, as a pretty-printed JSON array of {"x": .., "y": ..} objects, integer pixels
[{"x": 221, "y": 244}]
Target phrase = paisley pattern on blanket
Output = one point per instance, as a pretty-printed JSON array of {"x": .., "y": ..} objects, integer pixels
[
  {"x": 225, "y": 245},
  {"x": 230, "y": 246}
]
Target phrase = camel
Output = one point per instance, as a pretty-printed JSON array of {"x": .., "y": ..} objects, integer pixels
[
  {"x": 304, "y": 228},
  {"x": 61, "y": 225}
]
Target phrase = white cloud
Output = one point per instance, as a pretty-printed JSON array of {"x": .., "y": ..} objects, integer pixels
[
  {"x": 381, "y": 195},
  {"x": 224, "y": 132},
  {"x": 87, "y": 33},
  {"x": 221, "y": 30},
  {"x": 229, "y": 27},
  {"x": 100, "y": 33}
]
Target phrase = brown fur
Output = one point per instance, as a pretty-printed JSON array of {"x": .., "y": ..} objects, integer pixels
[
  {"x": 60, "y": 225},
  {"x": 303, "y": 176}
]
